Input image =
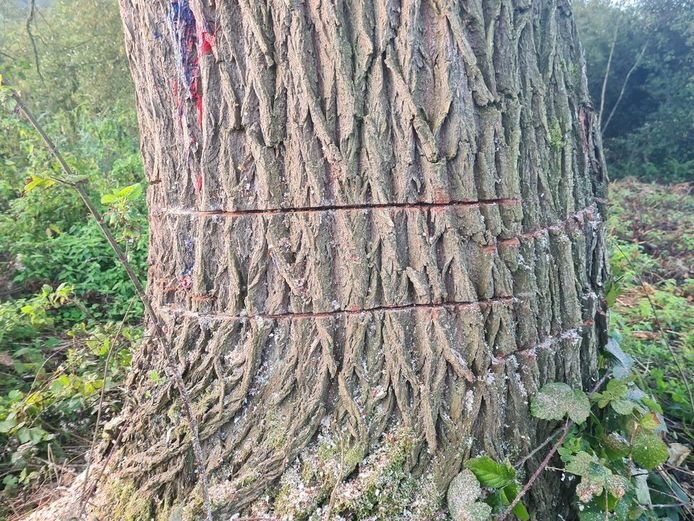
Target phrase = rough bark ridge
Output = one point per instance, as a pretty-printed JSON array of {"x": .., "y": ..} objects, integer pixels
[{"x": 376, "y": 230}]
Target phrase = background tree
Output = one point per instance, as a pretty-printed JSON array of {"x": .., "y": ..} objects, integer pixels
[{"x": 651, "y": 134}]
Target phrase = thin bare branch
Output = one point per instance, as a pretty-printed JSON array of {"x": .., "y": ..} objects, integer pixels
[
  {"x": 160, "y": 335},
  {"x": 607, "y": 75},
  {"x": 624, "y": 86},
  {"x": 564, "y": 432},
  {"x": 29, "y": 22},
  {"x": 113, "y": 342}
]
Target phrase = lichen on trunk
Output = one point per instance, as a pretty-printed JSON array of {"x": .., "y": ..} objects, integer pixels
[{"x": 376, "y": 231}]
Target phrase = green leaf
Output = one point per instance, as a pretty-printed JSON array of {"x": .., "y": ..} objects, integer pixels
[
  {"x": 508, "y": 494},
  {"x": 652, "y": 404},
  {"x": 623, "y": 363},
  {"x": 615, "y": 390},
  {"x": 37, "y": 182},
  {"x": 617, "y": 485},
  {"x": 648, "y": 450},
  {"x": 643, "y": 493},
  {"x": 521, "y": 512},
  {"x": 556, "y": 400},
  {"x": 591, "y": 513},
  {"x": 581, "y": 464},
  {"x": 587, "y": 489},
  {"x": 623, "y": 407},
  {"x": 34, "y": 435},
  {"x": 8, "y": 424},
  {"x": 490, "y": 473},
  {"x": 130, "y": 192},
  {"x": 650, "y": 421},
  {"x": 10, "y": 481},
  {"x": 108, "y": 199}
]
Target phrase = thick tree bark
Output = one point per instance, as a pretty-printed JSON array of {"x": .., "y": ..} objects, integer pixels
[{"x": 376, "y": 230}]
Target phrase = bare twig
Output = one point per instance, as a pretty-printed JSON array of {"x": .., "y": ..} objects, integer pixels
[
  {"x": 564, "y": 432},
  {"x": 113, "y": 342},
  {"x": 160, "y": 336},
  {"x": 607, "y": 75},
  {"x": 624, "y": 86},
  {"x": 30, "y": 20},
  {"x": 538, "y": 448}
]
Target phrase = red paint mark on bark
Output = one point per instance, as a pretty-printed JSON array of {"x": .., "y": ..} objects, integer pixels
[{"x": 206, "y": 42}]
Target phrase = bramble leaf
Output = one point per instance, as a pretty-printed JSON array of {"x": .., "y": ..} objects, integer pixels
[
  {"x": 650, "y": 421},
  {"x": 648, "y": 450},
  {"x": 462, "y": 496},
  {"x": 615, "y": 390},
  {"x": 556, "y": 400}
]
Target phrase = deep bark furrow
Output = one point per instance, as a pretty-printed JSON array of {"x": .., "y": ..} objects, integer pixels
[{"x": 496, "y": 256}]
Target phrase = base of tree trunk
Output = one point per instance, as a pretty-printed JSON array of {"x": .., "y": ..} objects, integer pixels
[{"x": 377, "y": 229}]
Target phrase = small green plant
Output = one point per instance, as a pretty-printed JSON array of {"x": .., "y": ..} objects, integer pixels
[
  {"x": 501, "y": 479},
  {"x": 611, "y": 444},
  {"x": 613, "y": 453},
  {"x": 53, "y": 381},
  {"x": 652, "y": 292},
  {"x": 556, "y": 136}
]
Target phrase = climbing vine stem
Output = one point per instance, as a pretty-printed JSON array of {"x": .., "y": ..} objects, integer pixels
[{"x": 543, "y": 465}]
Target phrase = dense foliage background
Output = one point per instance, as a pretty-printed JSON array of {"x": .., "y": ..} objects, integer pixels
[
  {"x": 650, "y": 84},
  {"x": 69, "y": 321}
]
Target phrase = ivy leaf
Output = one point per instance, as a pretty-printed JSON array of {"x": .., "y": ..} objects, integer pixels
[
  {"x": 648, "y": 450},
  {"x": 490, "y": 473},
  {"x": 556, "y": 400}
]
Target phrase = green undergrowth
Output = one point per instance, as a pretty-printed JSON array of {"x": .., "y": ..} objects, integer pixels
[
  {"x": 612, "y": 444},
  {"x": 652, "y": 293},
  {"x": 69, "y": 322}
]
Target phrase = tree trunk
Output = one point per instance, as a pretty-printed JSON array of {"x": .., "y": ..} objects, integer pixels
[{"x": 376, "y": 231}]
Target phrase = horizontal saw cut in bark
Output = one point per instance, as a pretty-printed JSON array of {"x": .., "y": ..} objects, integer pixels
[{"x": 376, "y": 230}]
